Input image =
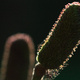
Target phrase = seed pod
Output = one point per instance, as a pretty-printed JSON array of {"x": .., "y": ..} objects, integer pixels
[{"x": 62, "y": 40}]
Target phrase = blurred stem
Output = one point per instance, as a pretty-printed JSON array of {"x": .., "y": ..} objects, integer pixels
[
  {"x": 39, "y": 71},
  {"x": 36, "y": 77}
]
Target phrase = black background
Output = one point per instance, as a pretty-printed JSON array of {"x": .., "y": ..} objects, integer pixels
[{"x": 34, "y": 17}]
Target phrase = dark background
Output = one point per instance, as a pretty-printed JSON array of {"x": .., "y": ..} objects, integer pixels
[{"x": 35, "y": 17}]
